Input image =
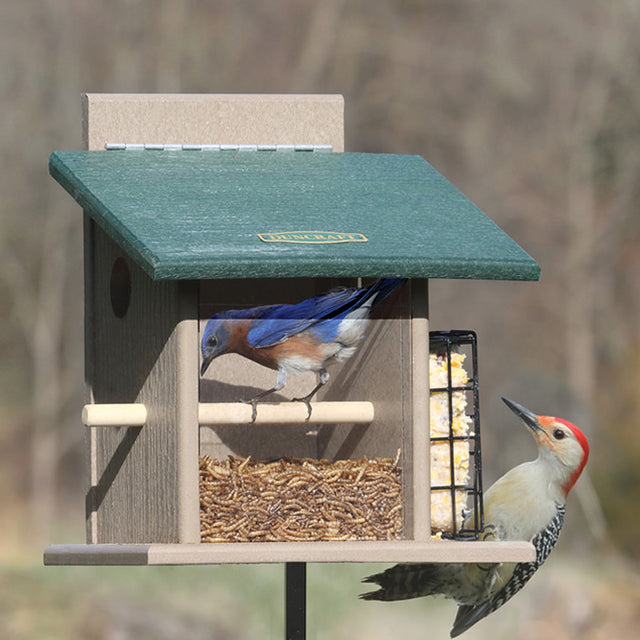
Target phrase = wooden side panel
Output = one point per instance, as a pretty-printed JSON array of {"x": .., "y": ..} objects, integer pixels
[
  {"x": 419, "y": 500},
  {"x": 214, "y": 119},
  {"x": 144, "y": 479}
]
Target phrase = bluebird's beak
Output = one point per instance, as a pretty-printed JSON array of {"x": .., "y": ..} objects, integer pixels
[
  {"x": 207, "y": 361},
  {"x": 528, "y": 417}
]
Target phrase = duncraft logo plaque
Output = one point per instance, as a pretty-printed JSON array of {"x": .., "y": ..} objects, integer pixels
[{"x": 313, "y": 237}]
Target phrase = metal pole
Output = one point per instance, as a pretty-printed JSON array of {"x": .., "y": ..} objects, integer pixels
[{"x": 295, "y": 600}]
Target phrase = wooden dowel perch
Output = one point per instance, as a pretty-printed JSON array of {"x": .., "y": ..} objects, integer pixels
[
  {"x": 114, "y": 415},
  {"x": 211, "y": 414}
]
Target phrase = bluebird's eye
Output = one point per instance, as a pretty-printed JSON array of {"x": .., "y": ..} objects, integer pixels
[
  {"x": 558, "y": 434},
  {"x": 212, "y": 341}
]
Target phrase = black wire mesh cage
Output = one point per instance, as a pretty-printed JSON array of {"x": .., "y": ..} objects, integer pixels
[{"x": 456, "y": 464}]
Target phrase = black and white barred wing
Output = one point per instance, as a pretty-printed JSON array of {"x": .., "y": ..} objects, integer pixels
[{"x": 544, "y": 542}]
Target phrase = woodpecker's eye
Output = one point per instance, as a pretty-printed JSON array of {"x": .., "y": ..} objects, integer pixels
[{"x": 559, "y": 434}]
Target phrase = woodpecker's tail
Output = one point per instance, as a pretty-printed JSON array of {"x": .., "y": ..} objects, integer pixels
[{"x": 405, "y": 581}]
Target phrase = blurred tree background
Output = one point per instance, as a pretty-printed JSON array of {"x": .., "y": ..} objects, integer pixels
[{"x": 532, "y": 109}]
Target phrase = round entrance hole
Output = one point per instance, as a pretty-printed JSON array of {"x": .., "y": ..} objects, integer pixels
[{"x": 120, "y": 287}]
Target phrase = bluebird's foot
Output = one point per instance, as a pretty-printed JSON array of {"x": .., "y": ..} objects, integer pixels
[
  {"x": 307, "y": 401},
  {"x": 254, "y": 408},
  {"x": 254, "y": 401},
  {"x": 324, "y": 376}
]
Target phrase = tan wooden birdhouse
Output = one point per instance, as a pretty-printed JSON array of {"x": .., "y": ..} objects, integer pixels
[{"x": 197, "y": 204}]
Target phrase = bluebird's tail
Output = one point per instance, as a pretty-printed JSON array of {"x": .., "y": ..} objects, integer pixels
[
  {"x": 360, "y": 301},
  {"x": 383, "y": 287}
]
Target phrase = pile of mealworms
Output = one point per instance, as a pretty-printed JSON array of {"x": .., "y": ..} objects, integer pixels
[{"x": 300, "y": 499}]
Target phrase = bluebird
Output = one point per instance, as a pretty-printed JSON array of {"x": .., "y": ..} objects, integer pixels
[{"x": 295, "y": 338}]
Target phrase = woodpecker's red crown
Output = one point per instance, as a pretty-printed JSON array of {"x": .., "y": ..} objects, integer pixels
[{"x": 561, "y": 438}]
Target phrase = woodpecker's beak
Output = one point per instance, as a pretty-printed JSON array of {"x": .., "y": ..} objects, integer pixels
[{"x": 528, "y": 417}]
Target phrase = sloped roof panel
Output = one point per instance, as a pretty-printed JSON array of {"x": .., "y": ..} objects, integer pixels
[{"x": 225, "y": 214}]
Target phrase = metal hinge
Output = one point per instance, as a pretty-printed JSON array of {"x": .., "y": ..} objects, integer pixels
[{"x": 129, "y": 146}]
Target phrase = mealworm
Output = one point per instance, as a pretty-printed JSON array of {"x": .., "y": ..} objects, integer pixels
[{"x": 300, "y": 499}]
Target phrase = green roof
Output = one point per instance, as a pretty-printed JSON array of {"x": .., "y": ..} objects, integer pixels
[{"x": 189, "y": 214}]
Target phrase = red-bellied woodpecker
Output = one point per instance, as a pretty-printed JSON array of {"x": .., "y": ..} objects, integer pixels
[{"x": 526, "y": 503}]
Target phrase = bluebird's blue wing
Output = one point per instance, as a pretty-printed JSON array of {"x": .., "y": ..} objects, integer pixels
[
  {"x": 277, "y": 323},
  {"x": 280, "y": 322}
]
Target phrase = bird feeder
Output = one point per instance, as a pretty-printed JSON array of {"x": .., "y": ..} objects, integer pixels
[{"x": 199, "y": 204}]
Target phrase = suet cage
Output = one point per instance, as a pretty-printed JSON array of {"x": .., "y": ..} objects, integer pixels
[{"x": 456, "y": 395}]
